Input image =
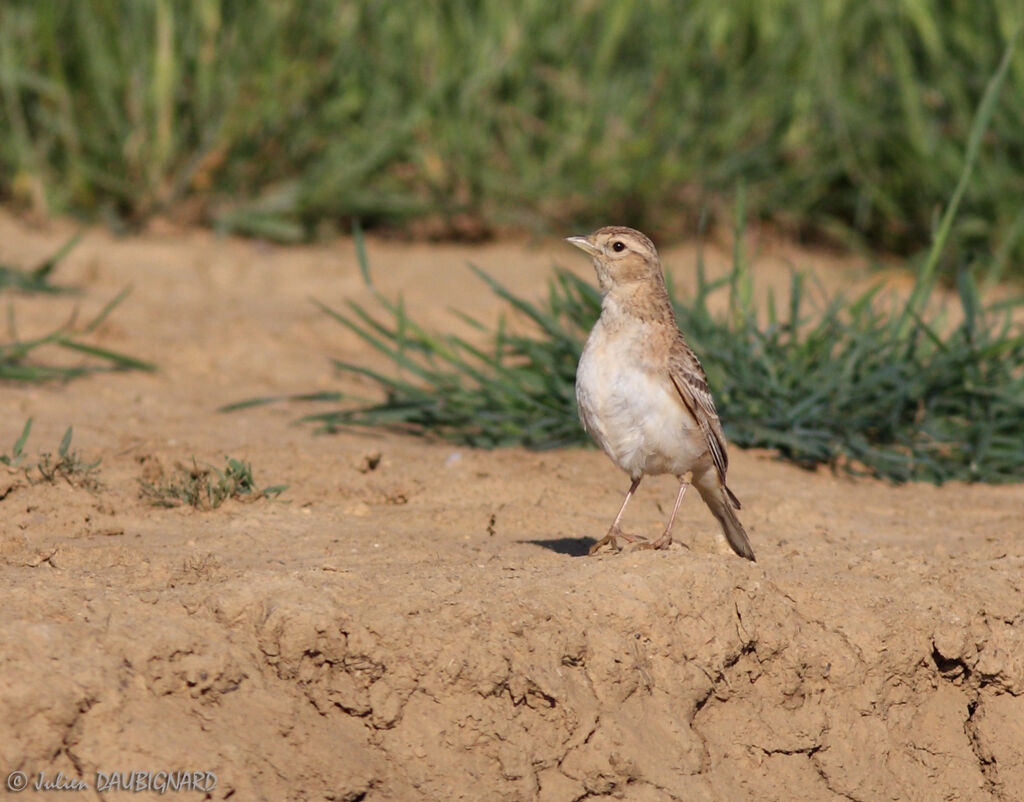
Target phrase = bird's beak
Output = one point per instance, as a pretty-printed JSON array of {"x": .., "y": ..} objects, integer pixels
[{"x": 584, "y": 244}]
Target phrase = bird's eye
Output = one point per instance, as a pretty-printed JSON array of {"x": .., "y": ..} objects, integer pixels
[{"x": 618, "y": 246}]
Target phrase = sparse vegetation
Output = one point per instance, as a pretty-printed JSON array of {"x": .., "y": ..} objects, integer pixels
[
  {"x": 66, "y": 464},
  {"x": 205, "y": 487}
]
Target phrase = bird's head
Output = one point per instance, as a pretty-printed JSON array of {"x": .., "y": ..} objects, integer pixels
[{"x": 622, "y": 256}]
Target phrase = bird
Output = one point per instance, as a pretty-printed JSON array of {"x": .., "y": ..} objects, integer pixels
[{"x": 642, "y": 392}]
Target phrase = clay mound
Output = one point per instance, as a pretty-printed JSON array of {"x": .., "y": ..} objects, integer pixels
[{"x": 640, "y": 675}]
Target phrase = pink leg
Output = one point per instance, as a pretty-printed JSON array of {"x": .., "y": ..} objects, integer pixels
[
  {"x": 625, "y": 501},
  {"x": 665, "y": 540},
  {"x": 614, "y": 531}
]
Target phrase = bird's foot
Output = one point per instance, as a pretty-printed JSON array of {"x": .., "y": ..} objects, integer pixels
[
  {"x": 609, "y": 540},
  {"x": 662, "y": 542}
]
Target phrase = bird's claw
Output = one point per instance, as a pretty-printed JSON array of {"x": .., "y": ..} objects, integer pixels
[
  {"x": 661, "y": 543},
  {"x": 613, "y": 534}
]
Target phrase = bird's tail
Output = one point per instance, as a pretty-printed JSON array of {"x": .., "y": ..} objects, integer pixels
[{"x": 718, "y": 497}]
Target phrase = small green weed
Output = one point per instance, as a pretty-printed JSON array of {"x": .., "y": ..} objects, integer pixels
[
  {"x": 205, "y": 487},
  {"x": 66, "y": 464}
]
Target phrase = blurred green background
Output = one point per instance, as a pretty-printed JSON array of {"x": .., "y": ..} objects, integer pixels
[{"x": 842, "y": 119}]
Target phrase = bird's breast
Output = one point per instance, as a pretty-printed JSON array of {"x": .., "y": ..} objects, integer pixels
[{"x": 629, "y": 406}]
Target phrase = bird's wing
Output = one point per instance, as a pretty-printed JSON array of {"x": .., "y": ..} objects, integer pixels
[{"x": 691, "y": 383}]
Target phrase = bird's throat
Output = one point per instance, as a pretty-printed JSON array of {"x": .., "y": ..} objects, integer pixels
[{"x": 643, "y": 301}]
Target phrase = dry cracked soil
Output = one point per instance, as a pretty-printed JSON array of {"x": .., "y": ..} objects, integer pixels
[{"x": 418, "y": 621}]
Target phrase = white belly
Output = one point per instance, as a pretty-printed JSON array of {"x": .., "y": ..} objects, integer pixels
[{"x": 633, "y": 412}]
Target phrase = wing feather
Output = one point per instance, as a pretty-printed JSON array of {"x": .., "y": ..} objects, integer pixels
[{"x": 691, "y": 384}]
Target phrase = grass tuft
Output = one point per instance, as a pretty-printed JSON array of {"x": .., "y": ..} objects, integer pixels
[
  {"x": 16, "y": 356},
  {"x": 206, "y": 487},
  {"x": 66, "y": 464}
]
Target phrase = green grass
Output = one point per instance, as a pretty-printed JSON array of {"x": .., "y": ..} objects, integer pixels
[
  {"x": 845, "y": 118},
  {"x": 206, "y": 487}
]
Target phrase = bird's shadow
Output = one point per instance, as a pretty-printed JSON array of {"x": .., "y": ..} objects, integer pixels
[{"x": 572, "y": 546}]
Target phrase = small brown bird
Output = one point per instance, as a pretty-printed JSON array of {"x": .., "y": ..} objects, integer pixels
[{"x": 642, "y": 392}]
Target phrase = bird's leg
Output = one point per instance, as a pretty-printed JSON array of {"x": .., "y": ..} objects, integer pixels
[
  {"x": 665, "y": 540},
  {"x": 614, "y": 531}
]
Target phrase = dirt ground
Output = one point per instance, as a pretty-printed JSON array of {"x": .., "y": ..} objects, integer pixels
[{"x": 429, "y": 628}]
